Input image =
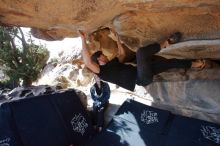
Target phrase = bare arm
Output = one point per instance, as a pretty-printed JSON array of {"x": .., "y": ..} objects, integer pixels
[
  {"x": 86, "y": 55},
  {"x": 121, "y": 50}
]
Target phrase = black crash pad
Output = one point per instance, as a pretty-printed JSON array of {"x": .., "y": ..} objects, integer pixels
[
  {"x": 50, "y": 120},
  {"x": 121, "y": 132},
  {"x": 8, "y": 130},
  {"x": 192, "y": 132},
  {"x": 146, "y": 117},
  {"x": 136, "y": 124}
]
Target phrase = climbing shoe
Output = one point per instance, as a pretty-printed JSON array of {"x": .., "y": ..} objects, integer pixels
[{"x": 175, "y": 38}]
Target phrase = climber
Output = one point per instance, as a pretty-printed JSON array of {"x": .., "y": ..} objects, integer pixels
[{"x": 127, "y": 76}]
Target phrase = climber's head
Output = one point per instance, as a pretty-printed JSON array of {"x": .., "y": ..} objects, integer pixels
[{"x": 99, "y": 58}]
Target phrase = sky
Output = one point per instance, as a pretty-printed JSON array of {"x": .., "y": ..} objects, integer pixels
[{"x": 55, "y": 47}]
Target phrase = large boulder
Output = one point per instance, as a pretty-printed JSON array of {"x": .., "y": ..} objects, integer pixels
[
  {"x": 138, "y": 21},
  {"x": 66, "y": 70}
]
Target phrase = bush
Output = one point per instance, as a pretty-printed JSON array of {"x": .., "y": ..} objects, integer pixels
[{"x": 24, "y": 62}]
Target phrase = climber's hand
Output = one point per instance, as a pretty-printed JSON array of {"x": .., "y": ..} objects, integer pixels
[
  {"x": 82, "y": 34},
  {"x": 113, "y": 34}
]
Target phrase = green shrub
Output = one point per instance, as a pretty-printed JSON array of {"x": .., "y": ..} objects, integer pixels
[{"x": 23, "y": 62}]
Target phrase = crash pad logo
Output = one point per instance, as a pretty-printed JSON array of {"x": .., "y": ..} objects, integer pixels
[
  {"x": 5, "y": 142},
  {"x": 211, "y": 133},
  {"x": 149, "y": 117},
  {"x": 79, "y": 124}
]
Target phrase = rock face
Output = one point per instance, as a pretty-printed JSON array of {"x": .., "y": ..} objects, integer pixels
[
  {"x": 191, "y": 98},
  {"x": 66, "y": 70},
  {"x": 138, "y": 21}
]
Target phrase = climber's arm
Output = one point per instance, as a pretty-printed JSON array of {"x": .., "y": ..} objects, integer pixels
[
  {"x": 121, "y": 51},
  {"x": 86, "y": 55}
]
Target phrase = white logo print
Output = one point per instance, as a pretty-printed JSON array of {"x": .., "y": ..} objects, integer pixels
[
  {"x": 79, "y": 124},
  {"x": 149, "y": 117},
  {"x": 5, "y": 142},
  {"x": 211, "y": 133}
]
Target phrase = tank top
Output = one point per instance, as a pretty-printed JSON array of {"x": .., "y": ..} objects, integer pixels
[{"x": 121, "y": 74}]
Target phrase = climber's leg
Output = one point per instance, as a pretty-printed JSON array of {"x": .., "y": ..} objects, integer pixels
[{"x": 144, "y": 58}]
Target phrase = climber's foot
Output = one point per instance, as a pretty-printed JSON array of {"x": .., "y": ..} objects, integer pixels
[
  {"x": 199, "y": 64},
  {"x": 173, "y": 39}
]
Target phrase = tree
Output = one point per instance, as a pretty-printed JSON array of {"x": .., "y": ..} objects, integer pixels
[{"x": 20, "y": 62}]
